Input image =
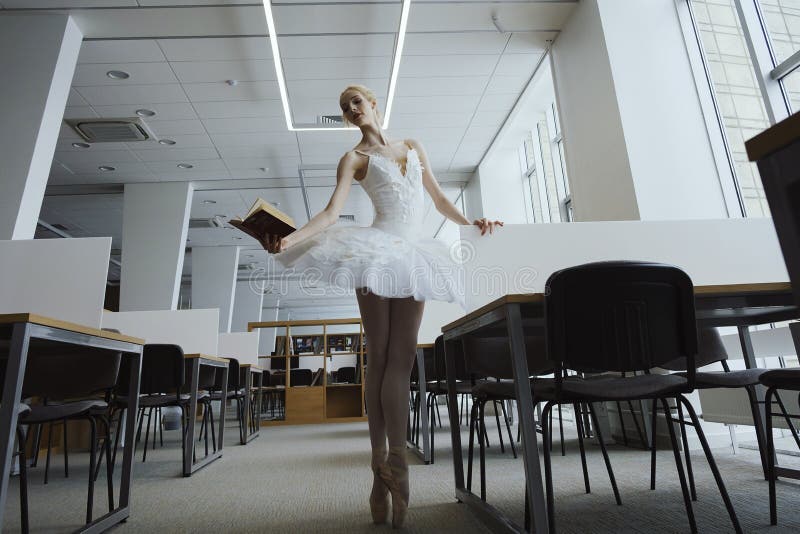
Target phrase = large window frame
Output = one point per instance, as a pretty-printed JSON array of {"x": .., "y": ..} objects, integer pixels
[{"x": 768, "y": 73}]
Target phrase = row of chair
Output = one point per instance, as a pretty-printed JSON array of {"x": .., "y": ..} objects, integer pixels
[
  {"x": 609, "y": 326},
  {"x": 58, "y": 388}
]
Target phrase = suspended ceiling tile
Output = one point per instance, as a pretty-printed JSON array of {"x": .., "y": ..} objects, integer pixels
[
  {"x": 181, "y": 141},
  {"x": 329, "y": 46},
  {"x": 75, "y": 99},
  {"x": 508, "y": 84},
  {"x": 517, "y": 64},
  {"x": 250, "y": 108},
  {"x": 439, "y": 104},
  {"x": 219, "y": 71},
  {"x": 218, "y": 91},
  {"x": 163, "y": 111},
  {"x": 55, "y": 4},
  {"x": 331, "y": 89},
  {"x": 255, "y": 164},
  {"x": 79, "y": 112},
  {"x": 78, "y": 160},
  {"x": 448, "y": 65},
  {"x": 442, "y": 85},
  {"x": 498, "y": 102},
  {"x": 267, "y": 139},
  {"x": 435, "y": 119},
  {"x": 317, "y": 19},
  {"x": 172, "y": 127},
  {"x": 91, "y": 74},
  {"x": 189, "y": 155},
  {"x": 243, "y": 125},
  {"x": 259, "y": 151},
  {"x": 529, "y": 43},
  {"x": 120, "y": 51},
  {"x": 431, "y": 44},
  {"x": 354, "y": 68},
  {"x": 217, "y": 49},
  {"x": 99, "y": 95}
]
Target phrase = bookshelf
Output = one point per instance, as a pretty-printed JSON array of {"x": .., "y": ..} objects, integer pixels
[{"x": 334, "y": 351}]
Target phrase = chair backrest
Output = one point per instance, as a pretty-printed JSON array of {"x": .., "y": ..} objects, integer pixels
[
  {"x": 234, "y": 376},
  {"x": 710, "y": 349},
  {"x": 440, "y": 361},
  {"x": 70, "y": 373},
  {"x": 346, "y": 375},
  {"x": 620, "y": 316},
  {"x": 491, "y": 356},
  {"x": 300, "y": 377},
  {"x": 162, "y": 370}
]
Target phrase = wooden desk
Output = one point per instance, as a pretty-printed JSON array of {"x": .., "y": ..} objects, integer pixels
[
  {"x": 28, "y": 333},
  {"x": 516, "y": 316},
  {"x": 252, "y": 372},
  {"x": 198, "y": 360},
  {"x": 412, "y": 434}
]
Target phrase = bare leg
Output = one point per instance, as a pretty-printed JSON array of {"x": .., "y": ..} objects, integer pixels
[
  {"x": 405, "y": 319},
  {"x": 375, "y": 318}
]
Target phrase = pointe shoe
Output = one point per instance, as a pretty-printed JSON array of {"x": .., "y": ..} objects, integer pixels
[
  {"x": 379, "y": 497},
  {"x": 395, "y": 476}
]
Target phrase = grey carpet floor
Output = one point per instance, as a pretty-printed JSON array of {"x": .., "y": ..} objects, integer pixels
[{"x": 316, "y": 478}]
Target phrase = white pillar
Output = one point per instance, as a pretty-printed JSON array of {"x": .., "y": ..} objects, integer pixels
[
  {"x": 155, "y": 221},
  {"x": 247, "y": 303},
  {"x": 635, "y": 139},
  {"x": 38, "y": 58},
  {"x": 213, "y": 280}
]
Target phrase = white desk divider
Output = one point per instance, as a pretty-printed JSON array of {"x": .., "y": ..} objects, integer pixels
[
  {"x": 240, "y": 345},
  {"x": 60, "y": 278},
  {"x": 196, "y": 331},
  {"x": 519, "y": 258}
]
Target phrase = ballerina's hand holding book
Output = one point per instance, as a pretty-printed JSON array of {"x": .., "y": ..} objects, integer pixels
[{"x": 264, "y": 220}]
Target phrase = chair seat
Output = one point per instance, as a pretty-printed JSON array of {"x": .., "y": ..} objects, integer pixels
[
  {"x": 782, "y": 379},
  {"x": 730, "y": 379},
  {"x": 153, "y": 401},
  {"x": 54, "y": 412},
  {"x": 594, "y": 389},
  {"x": 217, "y": 395}
]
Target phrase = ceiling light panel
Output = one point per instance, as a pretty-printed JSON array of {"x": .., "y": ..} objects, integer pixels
[{"x": 320, "y": 19}]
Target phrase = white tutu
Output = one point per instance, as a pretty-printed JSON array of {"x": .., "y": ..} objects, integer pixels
[{"x": 391, "y": 258}]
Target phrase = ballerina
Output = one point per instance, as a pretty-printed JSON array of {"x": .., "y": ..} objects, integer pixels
[{"x": 393, "y": 269}]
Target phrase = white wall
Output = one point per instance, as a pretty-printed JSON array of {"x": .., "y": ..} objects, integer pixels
[
  {"x": 247, "y": 306},
  {"x": 501, "y": 188},
  {"x": 598, "y": 169},
  {"x": 728, "y": 251},
  {"x": 240, "y": 345},
  {"x": 60, "y": 278},
  {"x": 670, "y": 155},
  {"x": 194, "y": 330}
]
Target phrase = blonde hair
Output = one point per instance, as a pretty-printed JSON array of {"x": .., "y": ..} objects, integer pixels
[{"x": 368, "y": 94}]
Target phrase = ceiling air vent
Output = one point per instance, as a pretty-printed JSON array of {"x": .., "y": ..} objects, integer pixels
[
  {"x": 333, "y": 120},
  {"x": 213, "y": 222},
  {"x": 123, "y": 130},
  {"x": 350, "y": 218}
]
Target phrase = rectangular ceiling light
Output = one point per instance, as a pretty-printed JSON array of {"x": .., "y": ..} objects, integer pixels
[{"x": 276, "y": 57}]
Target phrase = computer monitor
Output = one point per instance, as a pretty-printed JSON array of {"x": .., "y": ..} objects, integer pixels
[{"x": 777, "y": 152}]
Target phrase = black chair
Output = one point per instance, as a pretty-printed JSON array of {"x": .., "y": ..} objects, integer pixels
[
  {"x": 783, "y": 379},
  {"x": 163, "y": 383},
  {"x": 235, "y": 392},
  {"x": 74, "y": 378},
  {"x": 300, "y": 377},
  {"x": 711, "y": 350},
  {"x": 623, "y": 317},
  {"x": 346, "y": 375}
]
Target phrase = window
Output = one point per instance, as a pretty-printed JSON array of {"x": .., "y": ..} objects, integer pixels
[
  {"x": 739, "y": 100},
  {"x": 782, "y": 22},
  {"x": 541, "y": 159}
]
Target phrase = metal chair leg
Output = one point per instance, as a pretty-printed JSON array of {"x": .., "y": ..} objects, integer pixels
[
  {"x": 147, "y": 433},
  {"x": 773, "y": 505},
  {"x": 548, "y": 473},
  {"x": 622, "y": 424},
  {"x": 482, "y": 436},
  {"x": 712, "y": 464},
  {"x": 499, "y": 428},
  {"x": 653, "y": 427},
  {"x": 605, "y": 454},
  {"x": 561, "y": 432},
  {"x": 508, "y": 429},
  {"x": 579, "y": 427},
  {"x": 685, "y": 442},
  {"x": 639, "y": 432},
  {"x": 472, "y": 422},
  {"x": 687, "y": 500}
]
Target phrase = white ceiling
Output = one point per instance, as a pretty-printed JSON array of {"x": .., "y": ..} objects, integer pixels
[{"x": 459, "y": 79}]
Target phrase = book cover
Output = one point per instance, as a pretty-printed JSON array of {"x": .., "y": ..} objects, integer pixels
[{"x": 263, "y": 219}]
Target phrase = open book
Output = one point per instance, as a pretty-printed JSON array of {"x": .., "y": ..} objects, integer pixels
[{"x": 262, "y": 219}]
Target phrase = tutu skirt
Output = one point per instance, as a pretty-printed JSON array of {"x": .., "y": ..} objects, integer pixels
[{"x": 344, "y": 258}]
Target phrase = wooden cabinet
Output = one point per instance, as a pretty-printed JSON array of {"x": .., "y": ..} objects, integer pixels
[{"x": 326, "y": 360}]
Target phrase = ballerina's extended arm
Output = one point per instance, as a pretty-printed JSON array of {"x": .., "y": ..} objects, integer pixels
[
  {"x": 344, "y": 178},
  {"x": 440, "y": 200}
]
